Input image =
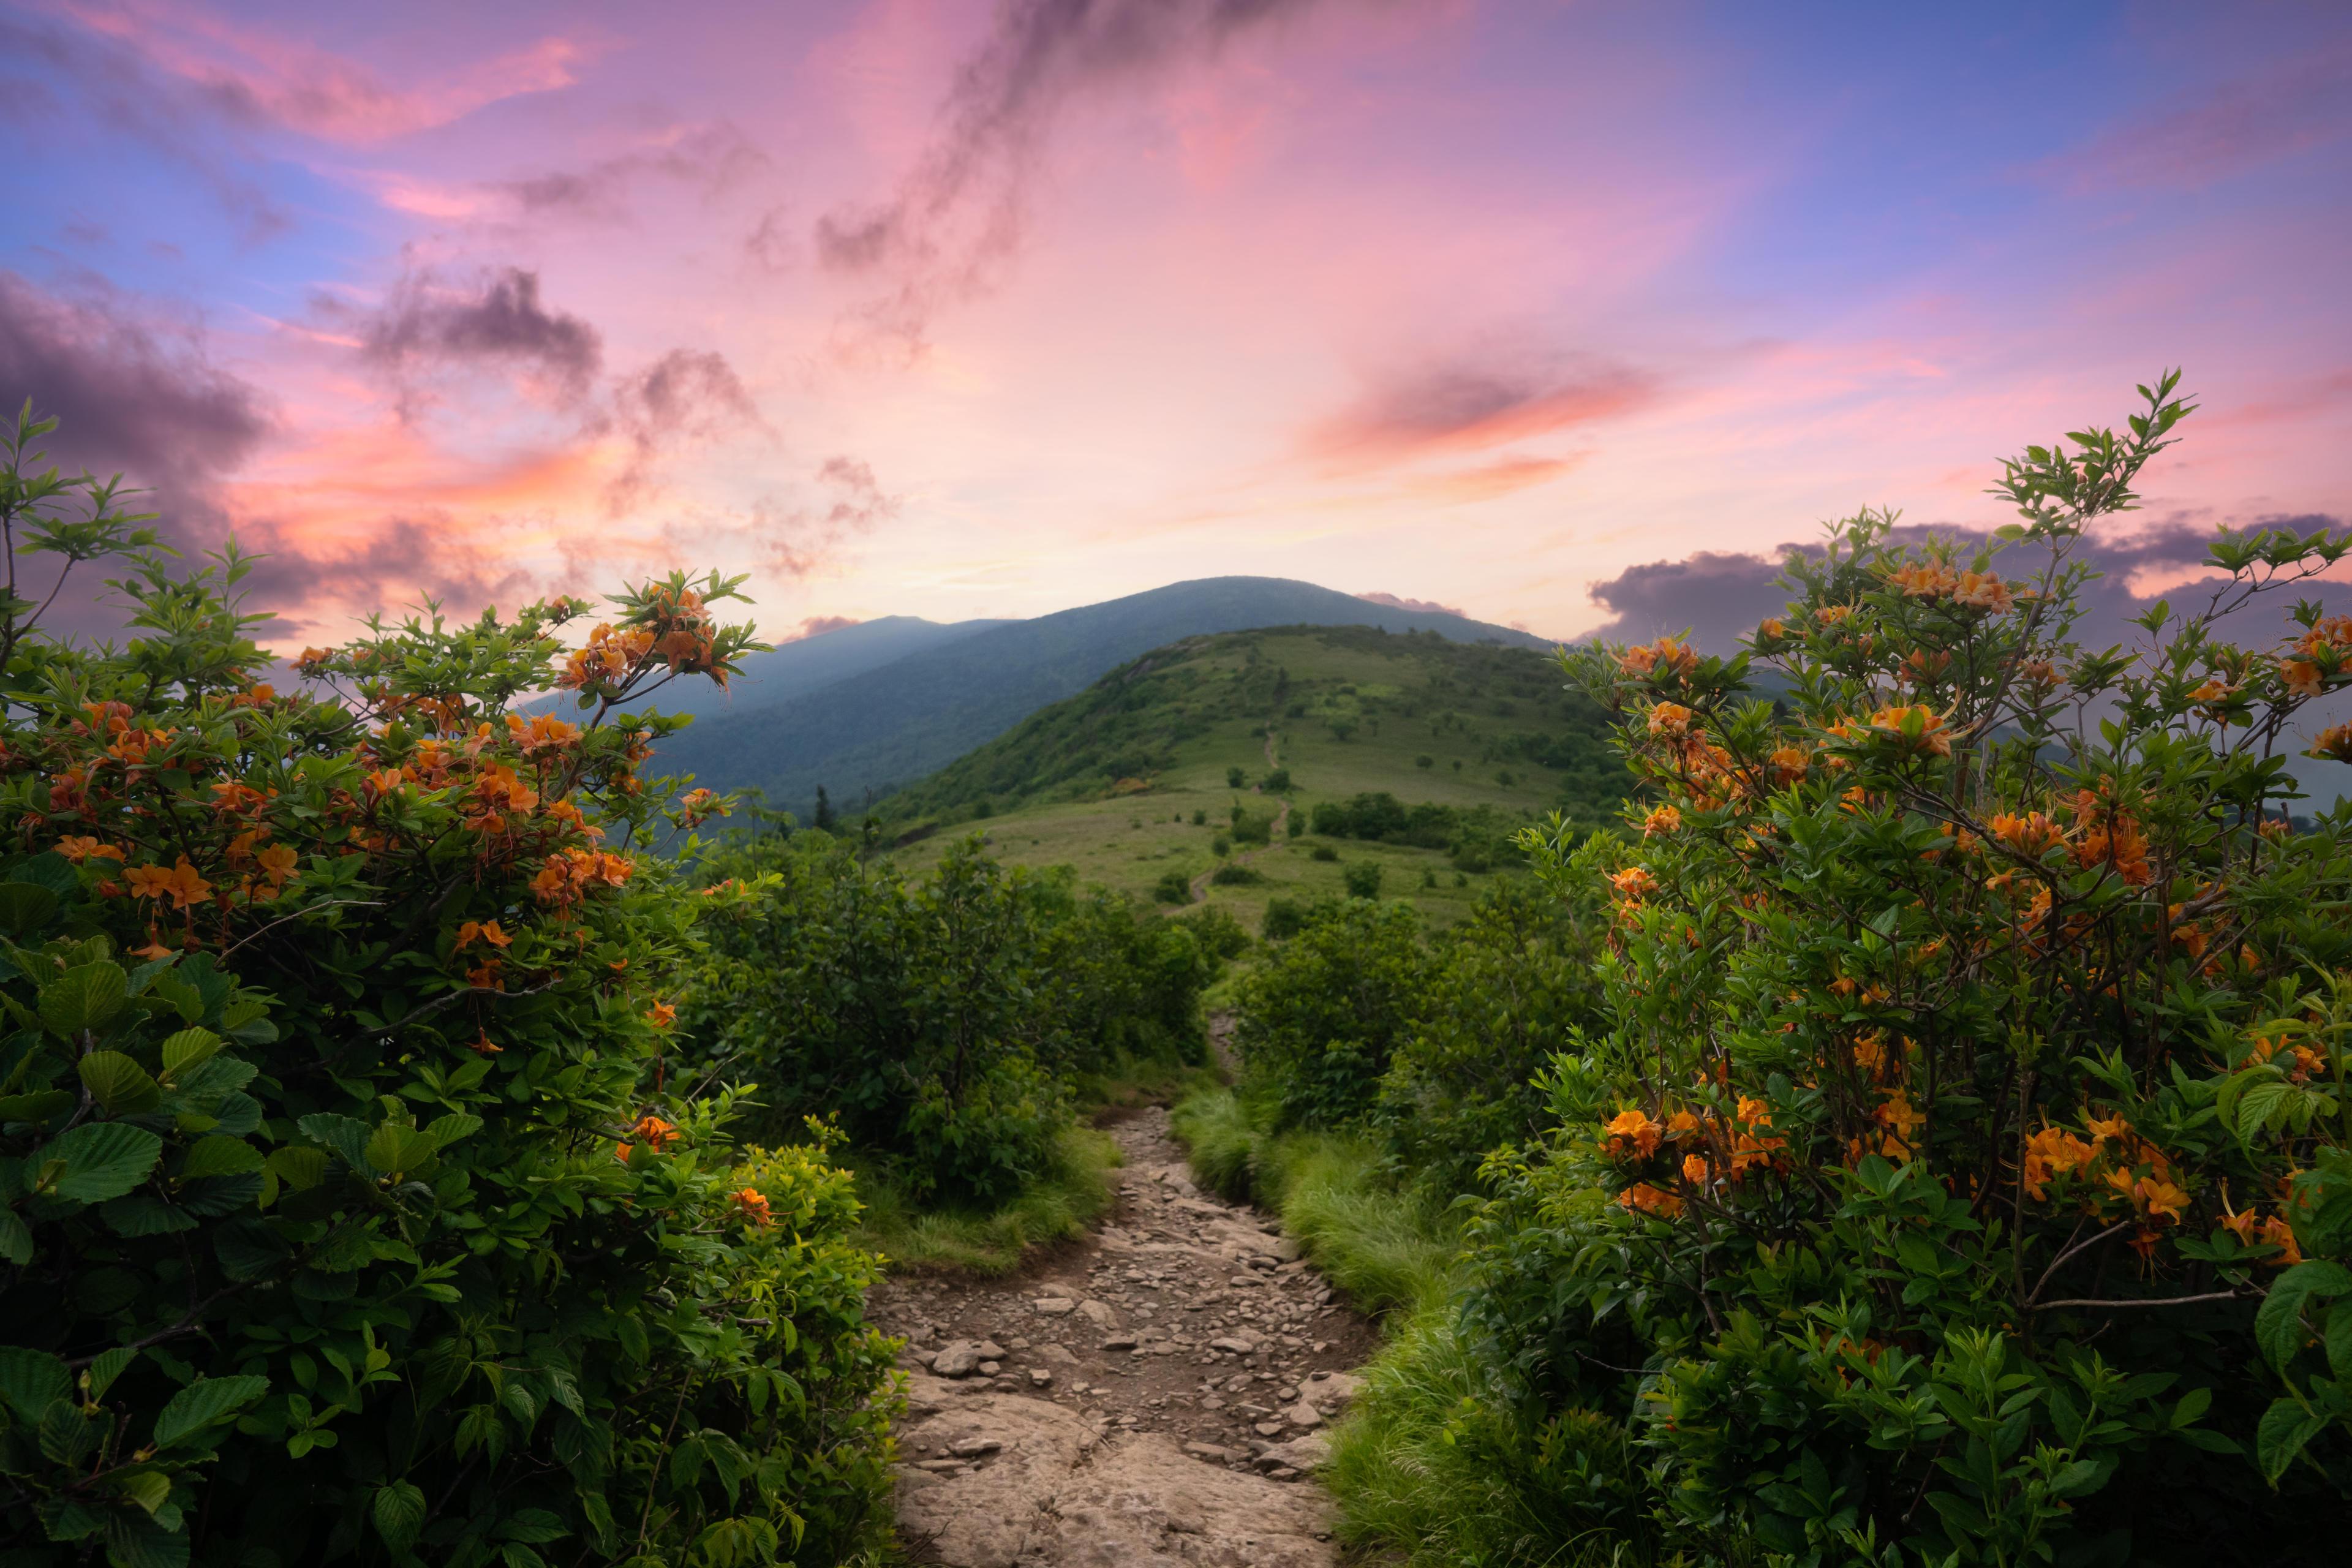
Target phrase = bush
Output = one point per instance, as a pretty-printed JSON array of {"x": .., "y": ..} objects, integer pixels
[
  {"x": 1173, "y": 888},
  {"x": 1229, "y": 875},
  {"x": 1200, "y": 817},
  {"x": 1298, "y": 826},
  {"x": 1221, "y": 845},
  {"x": 1317, "y": 1021},
  {"x": 1970, "y": 1115},
  {"x": 939, "y": 1021},
  {"x": 1285, "y": 918},
  {"x": 1325, "y": 852},
  {"x": 1235, "y": 778},
  {"x": 1363, "y": 880},
  {"x": 1252, "y": 827},
  {"x": 1276, "y": 782},
  {"x": 1424, "y": 760},
  {"x": 330, "y": 1016}
]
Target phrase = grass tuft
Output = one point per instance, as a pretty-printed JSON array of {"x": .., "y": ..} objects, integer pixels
[{"x": 1066, "y": 1197}]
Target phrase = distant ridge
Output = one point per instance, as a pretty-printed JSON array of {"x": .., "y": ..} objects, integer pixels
[{"x": 892, "y": 723}]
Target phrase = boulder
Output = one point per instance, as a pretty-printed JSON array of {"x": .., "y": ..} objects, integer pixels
[{"x": 957, "y": 1358}]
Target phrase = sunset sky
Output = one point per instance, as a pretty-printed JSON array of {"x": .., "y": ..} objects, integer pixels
[{"x": 992, "y": 309}]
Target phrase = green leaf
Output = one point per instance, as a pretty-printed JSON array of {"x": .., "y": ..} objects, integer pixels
[
  {"x": 26, "y": 909},
  {"x": 188, "y": 1048},
  {"x": 37, "y": 1106},
  {"x": 118, "y": 1082},
  {"x": 2278, "y": 1326},
  {"x": 31, "y": 1380},
  {"x": 535, "y": 1525},
  {"x": 107, "y": 1367},
  {"x": 399, "y": 1512},
  {"x": 204, "y": 1404},
  {"x": 144, "y": 1214},
  {"x": 16, "y": 1239},
  {"x": 249, "y": 1249},
  {"x": 2286, "y": 1428},
  {"x": 448, "y": 1130},
  {"x": 84, "y": 997},
  {"x": 102, "y": 1159},
  {"x": 345, "y": 1135},
  {"x": 301, "y": 1169},
  {"x": 220, "y": 1156},
  {"x": 395, "y": 1149},
  {"x": 150, "y": 1490},
  {"x": 133, "y": 1540}
]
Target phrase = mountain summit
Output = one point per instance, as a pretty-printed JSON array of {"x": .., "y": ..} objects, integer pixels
[{"x": 855, "y": 725}]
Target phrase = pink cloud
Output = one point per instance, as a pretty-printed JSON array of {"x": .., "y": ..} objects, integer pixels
[
  {"x": 2223, "y": 132},
  {"x": 256, "y": 74}
]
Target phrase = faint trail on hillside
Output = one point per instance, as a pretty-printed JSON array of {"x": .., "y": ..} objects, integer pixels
[{"x": 1150, "y": 1396}]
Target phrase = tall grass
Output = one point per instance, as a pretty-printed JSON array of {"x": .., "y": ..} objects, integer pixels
[{"x": 1430, "y": 1462}]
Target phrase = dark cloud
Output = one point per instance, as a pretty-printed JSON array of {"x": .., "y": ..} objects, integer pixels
[
  {"x": 425, "y": 551},
  {"x": 495, "y": 320},
  {"x": 711, "y": 159},
  {"x": 133, "y": 392},
  {"x": 1429, "y": 606},
  {"x": 114, "y": 92},
  {"x": 770, "y": 245},
  {"x": 685, "y": 397},
  {"x": 793, "y": 539},
  {"x": 958, "y": 212},
  {"x": 1719, "y": 597},
  {"x": 1476, "y": 402}
]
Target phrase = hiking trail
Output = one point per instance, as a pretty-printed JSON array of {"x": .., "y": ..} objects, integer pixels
[{"x": 1148, "y": 1396}]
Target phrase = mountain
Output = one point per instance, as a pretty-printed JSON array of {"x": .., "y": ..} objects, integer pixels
[
  {"x": 805, "y": 665},
  {"x": 893, "y": 723},
  {"x": 1408, "y": 753}
]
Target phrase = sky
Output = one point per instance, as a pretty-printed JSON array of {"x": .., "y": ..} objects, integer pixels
[{"x": 1565, "y": 315}]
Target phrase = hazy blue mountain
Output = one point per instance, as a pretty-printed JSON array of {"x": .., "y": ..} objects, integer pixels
[
  {"x": 792, "y": 669},
  {"x": 891, "y": 724}
]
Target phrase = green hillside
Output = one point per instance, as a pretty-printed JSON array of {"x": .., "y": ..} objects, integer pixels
[{"x": 1471, "y": 740}]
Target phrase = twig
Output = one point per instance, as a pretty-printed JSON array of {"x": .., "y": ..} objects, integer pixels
[
  {"x": 298, "y": 914},
  {"x": 2144, "y": 1302}
]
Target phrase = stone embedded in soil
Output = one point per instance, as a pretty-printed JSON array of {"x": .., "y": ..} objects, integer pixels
[
  {"x": 1099, "y": 1315},
  {"x": 1303, "y": 1416},
  {"x": 1055, "y": 1305},
  {"x": 958, "y": 1358}
]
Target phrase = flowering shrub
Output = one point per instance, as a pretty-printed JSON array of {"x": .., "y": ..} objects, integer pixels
[
  {"x": 343, "y": 1204},
  {"x": 1964, "y": 1178}
]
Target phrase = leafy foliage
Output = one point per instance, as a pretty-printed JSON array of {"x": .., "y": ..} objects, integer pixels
[
  {"x": 940, "y": 1021},
  {"x": 343, "y": 1211}
]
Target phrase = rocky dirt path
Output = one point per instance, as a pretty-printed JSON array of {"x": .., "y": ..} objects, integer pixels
[{"x": 1152, "y": 1397}]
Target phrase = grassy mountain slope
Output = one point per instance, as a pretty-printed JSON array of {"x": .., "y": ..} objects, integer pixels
[
  {"x": 1109, "y": 781},
  {"x": 894, "y": 724}
]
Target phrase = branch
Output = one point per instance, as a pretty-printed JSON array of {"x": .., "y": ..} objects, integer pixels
[
  {"x": 298, "y": 914},
  {"x": 2146, "y": 1301}
]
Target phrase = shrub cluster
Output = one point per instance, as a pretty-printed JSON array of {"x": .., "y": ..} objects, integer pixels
[
  {"x": 940, "y": 1021},
  {"x": 1963, "y": 1176},
  {"x": 342, "y": 1213},
  {"x": 1360, "y": 1020}
]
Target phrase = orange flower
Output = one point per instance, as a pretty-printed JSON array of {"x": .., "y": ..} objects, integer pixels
[
  {"x": 2028, "y": 834},
  {"x": 2334, "y": 743},
  {"x": 1680, "y": 1125},
  {"x": 2114, "y": 1130},
  {"x": 661, "y": 1015},
  {"x": 650, "y": 1130},
  {"x": 1633, "y": 1132},
  {"x": 1665, "y": 819},
  {"x": 278, "y": 863},
  {"x": 1790, "y": 763},
  {"x": 78, "y": 850},
  {"x": 1983, "y": 591},
  {"x": 1695, "y": 1169},
  {"x": 1644, "y": 1198},
  {"x": 2154, "y": 1198},
  {"x": 1670, "y": 719},
  {"x": 1634, "y": 883},
  {"x": 2051, "y": 1152},
  {"x": 1770, "y": 630},
  {"x": 1924, "y": 580},
  {"x": 2279, "y": 1234},
  {"x": 2302, "y": 677},
  {"x": 1920, "y": 728},
  {"x": 181, "y": 884},
  {"x": 481, "y": 1046},
  {"x": 313, "y": 659},
  {"x": 489, "y": 931},
  {"x": 752, "y": 1205}
]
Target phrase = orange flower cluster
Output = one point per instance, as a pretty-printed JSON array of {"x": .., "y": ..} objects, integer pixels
[
  {"x": 181, "y": 884},
  {"x": 1918, "y": 728},
  {"x": 2263, "y": 1230},
  {"x": 697, "y": 804},
  {"x": 1937, "y": 580},
  {"x": 651, "y": 1131},
  {"x": 1633, "y": 1135},
  {"x": 1663, "y": 819},
  {"x": 1668, "y": 656},
  {"x": 2029, "y": 834},
  {"x": 1669, "y": 718},
  {"x": 542, "y": 736},
  {"x": 752, "y": 1205},
  {"x": 1655, "y": 1202},
  {"x": 2110, "y": 838},
  {"x": 569, "y": 874},
  {"x": 2335, "y": 743},
  {"x": 1634, "y": 884},
  {"x": 609, "y": 661}
]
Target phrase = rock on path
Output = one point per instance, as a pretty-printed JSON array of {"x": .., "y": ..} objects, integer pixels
[{"x": 1152, "y": 1398}]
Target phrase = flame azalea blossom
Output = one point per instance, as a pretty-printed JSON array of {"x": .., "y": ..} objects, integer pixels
[
  {"x": 2302, "y": 676},
  {"x": 650, "y": 1130},
  {"x": 78, "y": 850},
  {"x": 1634, "y": 883},
  {"x": 752, "y": 1205},
  {"x": 1641, "y": 1198},
  {"x": 472, "y": 931},
  {"x": 661, "y": 1015},
  {"x": 1670, "y": 719},
  {"x": 1664, "y": 819},
  {"x": 1633, "y": 1132}
]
